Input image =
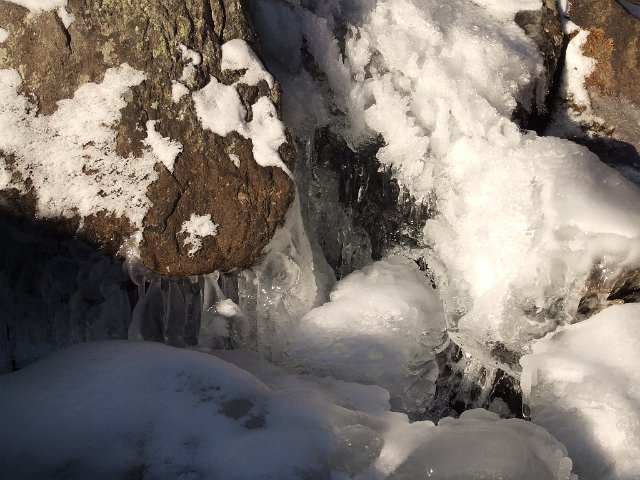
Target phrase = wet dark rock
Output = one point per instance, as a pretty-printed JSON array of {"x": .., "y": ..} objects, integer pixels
[{"x": 246, "y": 202}]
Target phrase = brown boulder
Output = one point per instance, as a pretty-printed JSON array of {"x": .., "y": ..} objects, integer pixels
[
  {"x": 614, "y": 42},
  {"x": 155, "y": 163}
]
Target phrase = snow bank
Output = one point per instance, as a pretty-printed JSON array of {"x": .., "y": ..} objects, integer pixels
[
  {"x": 381, "y": 327},
  {"x": 583, "y": 385},
  {"x": 116, "y": 410},
  {"x": 521, "y": 219}
]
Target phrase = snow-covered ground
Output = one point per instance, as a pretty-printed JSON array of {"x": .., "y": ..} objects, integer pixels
[{"x": 116, "y": 410}]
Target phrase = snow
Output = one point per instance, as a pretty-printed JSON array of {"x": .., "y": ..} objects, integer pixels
[
  {"x": 197, "y": 228},
  {"x": 174, "y": 413},
  {"x": 521, "y": 219},
  {"x": 583, "y": 386},
  {"x": 178, "y": 90},
  {"x": 190, "y": 56},
  {"x": 66, "y": 17},
  {"x": 70, "y": 155},
  {"x": 165, "y": 149},
  {"x": 3, "y": 35},
  {"x": 238, "y": 55},
  {"x": 219, "y": 108},
  {"x": 235, "y": 159},
  {"x": 381, "y": 327},
  {"x": 38, "y": 6}
]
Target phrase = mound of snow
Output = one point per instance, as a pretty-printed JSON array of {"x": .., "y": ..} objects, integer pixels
[
  {"x": 118, "y": 410},
  {"x": 583, "y": 385},
  {"x": 380, "y": 327}
]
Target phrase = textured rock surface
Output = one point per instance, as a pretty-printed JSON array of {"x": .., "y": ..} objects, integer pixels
[
  {"x": 614, "y": 42},
  {"x": 246, "y": 202},
  {"x": 544, "y": 28}
]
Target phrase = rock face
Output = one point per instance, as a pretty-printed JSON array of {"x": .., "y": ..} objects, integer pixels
[
  {"x": 614, "y": 42},
  {"x": 140, "y": 124},
  {"x": 544, "y": 28}
]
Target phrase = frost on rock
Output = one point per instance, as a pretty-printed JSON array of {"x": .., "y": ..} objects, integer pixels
[
  {"x": 196, "y": 229},
  {"x": 582, "y": 384},
  {"x": 238, "y": 55},
  {"x": 175, "y": 413},
  {"x": 521, "y": 220},
  {"x": 69, "y": 156},
  {"x": 381, "y": 326}
]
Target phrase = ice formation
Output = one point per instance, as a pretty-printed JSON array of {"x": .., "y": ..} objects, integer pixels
[
  {"x": 381, "y": 326},
  {"x": 521, "y": 219},
  {"x": 195, "y": 229},
  {"x": 173, "y": 413},
  {"x": 583, "y": 386}
]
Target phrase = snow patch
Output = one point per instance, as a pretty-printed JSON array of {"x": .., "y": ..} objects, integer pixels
[
  {"x": 3, "y": 35},
  {"x": 38, "y": 6},
  {"x": 197, "y": 228},
  {"x": 178, "y": 90},
  {"x": 164, "y": 148},
  {"x": 238, "y": 55},
  {"x": 235, "y": 159},
  {"x": 66, "y": 17},
  {"x": 70, "y": 155},
  {"x": 190, "y": 56}
]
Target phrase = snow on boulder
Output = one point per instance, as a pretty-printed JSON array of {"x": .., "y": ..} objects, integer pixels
[
  {"x": 582, "y": 384},
  {"x": 106, "y": 130},
  {"x": 382, "y": 327},
  {"x": 120, "y": 410}
]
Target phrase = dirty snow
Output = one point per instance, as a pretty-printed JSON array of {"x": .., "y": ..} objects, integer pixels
[{"x": 196, "y": 229}]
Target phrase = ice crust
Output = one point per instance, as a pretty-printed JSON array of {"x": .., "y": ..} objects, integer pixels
[
  {"x": 522, "y": 219},
  {"x": 105, "y": 410},
  {"x": 381, "y": 326},
  {"x": 583, "y": 386}
]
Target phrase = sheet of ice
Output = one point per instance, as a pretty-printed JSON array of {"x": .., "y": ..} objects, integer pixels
[
  {"x": 197, "y": 228},
  {"x": 583, "y": 385},
  {"x": 70, "y": 155},
  {"x": 174, "y": 413},
  {"x": 3, "y": 35},
  {"x": 37, "y": 6},
  {"x": 381, "y": 327},
  {"x": 165, "y": 149},
  {"x": 521, "y": 220},
  {"x": 238, "y": 55}
]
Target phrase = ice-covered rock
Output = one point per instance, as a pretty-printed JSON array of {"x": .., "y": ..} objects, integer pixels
[
  {"x": 120, "y": 410},
  {"x": 583, "y": 386},
  {"x": 381, "y": 326},
  {"x": 120, "y": 133}
]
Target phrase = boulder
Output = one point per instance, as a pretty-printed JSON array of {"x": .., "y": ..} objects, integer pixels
[
  {"x": 614, "y": 42},
  {"x": 147, "y": 129}
]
